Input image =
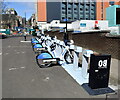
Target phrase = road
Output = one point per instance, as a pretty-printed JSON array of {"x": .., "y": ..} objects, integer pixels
[{"x": 22, "y": 78}]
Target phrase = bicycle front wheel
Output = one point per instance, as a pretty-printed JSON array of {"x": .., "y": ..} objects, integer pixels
[
  {"x": 42, "y": 63},
  {"x": 68, "y": 58}
]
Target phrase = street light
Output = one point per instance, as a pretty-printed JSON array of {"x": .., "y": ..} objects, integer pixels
[
  {"x": 66, "y": 34},
  {"x": 25, "y": 19},
  {"x": 66, "y": 15}
]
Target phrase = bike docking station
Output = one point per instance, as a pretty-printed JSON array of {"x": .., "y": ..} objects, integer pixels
[
  {"x": 93, "y": 75},
  {"x": 98, "y": 79}
]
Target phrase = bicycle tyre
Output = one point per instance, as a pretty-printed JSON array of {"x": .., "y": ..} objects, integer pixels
[
  {"x": 68, "y": 58},
  {"x": 42, "y": 64}
]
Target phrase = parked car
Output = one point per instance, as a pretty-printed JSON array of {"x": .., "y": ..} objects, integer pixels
[{"x": 3, "y": 36}]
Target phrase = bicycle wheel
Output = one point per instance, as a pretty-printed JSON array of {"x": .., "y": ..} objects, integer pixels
[
  {"x": 41, "y": 62},
  {"x": 68, "y": 58},
  {"x": 37, "y": 48}
]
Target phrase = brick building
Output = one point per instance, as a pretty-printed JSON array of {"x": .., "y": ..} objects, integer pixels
[
  {"x": 76, "y": 10},
  {"x": 101, "y": 6}
]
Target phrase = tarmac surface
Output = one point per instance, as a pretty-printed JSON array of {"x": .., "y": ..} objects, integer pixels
[{"x": 22, "y": 78}]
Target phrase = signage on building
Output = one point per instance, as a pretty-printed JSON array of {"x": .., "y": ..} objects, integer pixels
[{"x": 82, "y": 24}]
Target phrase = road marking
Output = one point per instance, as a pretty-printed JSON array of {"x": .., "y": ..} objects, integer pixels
[
  {"x": 26, "y": 41},
  {"x": 22, "y": 67},
  {"x": 12, "y": 69}
]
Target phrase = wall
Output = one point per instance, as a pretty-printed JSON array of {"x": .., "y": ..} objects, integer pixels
[
  {"x": 102, "y": 10},
  {"x": 41, "y": 10},
  {"x": 53, "y": 11},
  {"x": 112, "y": 15}
]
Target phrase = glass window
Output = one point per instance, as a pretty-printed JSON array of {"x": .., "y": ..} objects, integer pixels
[{"x": 111, "y": 2}]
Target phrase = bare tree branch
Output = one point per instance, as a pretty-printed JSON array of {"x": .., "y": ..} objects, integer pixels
[{"x": 3, "y": 6}]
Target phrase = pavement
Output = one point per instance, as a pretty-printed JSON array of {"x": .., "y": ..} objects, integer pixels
[
  {"x": 22, "y": 78},
  {"x": 103, "y": 45},
  {"x": 97, "y": 42}
]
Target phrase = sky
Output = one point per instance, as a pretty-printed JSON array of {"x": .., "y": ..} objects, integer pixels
[{"x": 22, "y": 8}]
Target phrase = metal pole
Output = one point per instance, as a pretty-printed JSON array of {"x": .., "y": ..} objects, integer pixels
[
  {"x": 66, "y": 16},
  {"x": 25, "y": 19},
  {"x": 66, "y": 34}
]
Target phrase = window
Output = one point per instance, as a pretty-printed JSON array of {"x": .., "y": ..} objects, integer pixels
[
  {"x": 63, "y": 12},
  {"x": 111, "y": 3},
  {"x": 118, "y": 16},
  {"x": 75, "y": 12}
]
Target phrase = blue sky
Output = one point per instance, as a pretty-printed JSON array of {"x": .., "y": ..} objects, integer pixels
[{"x": 22, "y": 7}]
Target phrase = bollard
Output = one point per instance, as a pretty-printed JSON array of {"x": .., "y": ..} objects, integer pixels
[
  {"x": 85, "y": 62},
  {"x": 77, "y": 50}
]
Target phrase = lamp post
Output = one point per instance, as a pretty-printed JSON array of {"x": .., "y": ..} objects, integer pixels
[
  {"x": 66, "y": 15},
  {"x": 25, "y": 20},
  {"x": 66, "y": 33}
]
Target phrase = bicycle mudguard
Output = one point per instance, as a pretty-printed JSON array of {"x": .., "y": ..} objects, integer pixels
[
  {"x": 35, "y": 41},
  {"x": 44, "y": 56},
  {"x": 37, "y": 46}
]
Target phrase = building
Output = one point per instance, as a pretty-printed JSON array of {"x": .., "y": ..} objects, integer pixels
[
  {"x": 32, "y": 21},
  {"x": 11, "y": 11},
  {"x": 19, "y": 20},
  {"x": 101, "y": 6},
  {"x": 76, "y": 9},
  {"x": 113, "y": 15},
  {"x": 9, "y": 21},
  {"x": 24, "y": 22},
  {"x": 41, "y": 11}
]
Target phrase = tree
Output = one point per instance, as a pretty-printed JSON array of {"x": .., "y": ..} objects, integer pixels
[{"x": 3, "y": 6}]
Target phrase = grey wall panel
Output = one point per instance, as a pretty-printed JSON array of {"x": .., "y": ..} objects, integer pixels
[{"x": 53, "y": 11}]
